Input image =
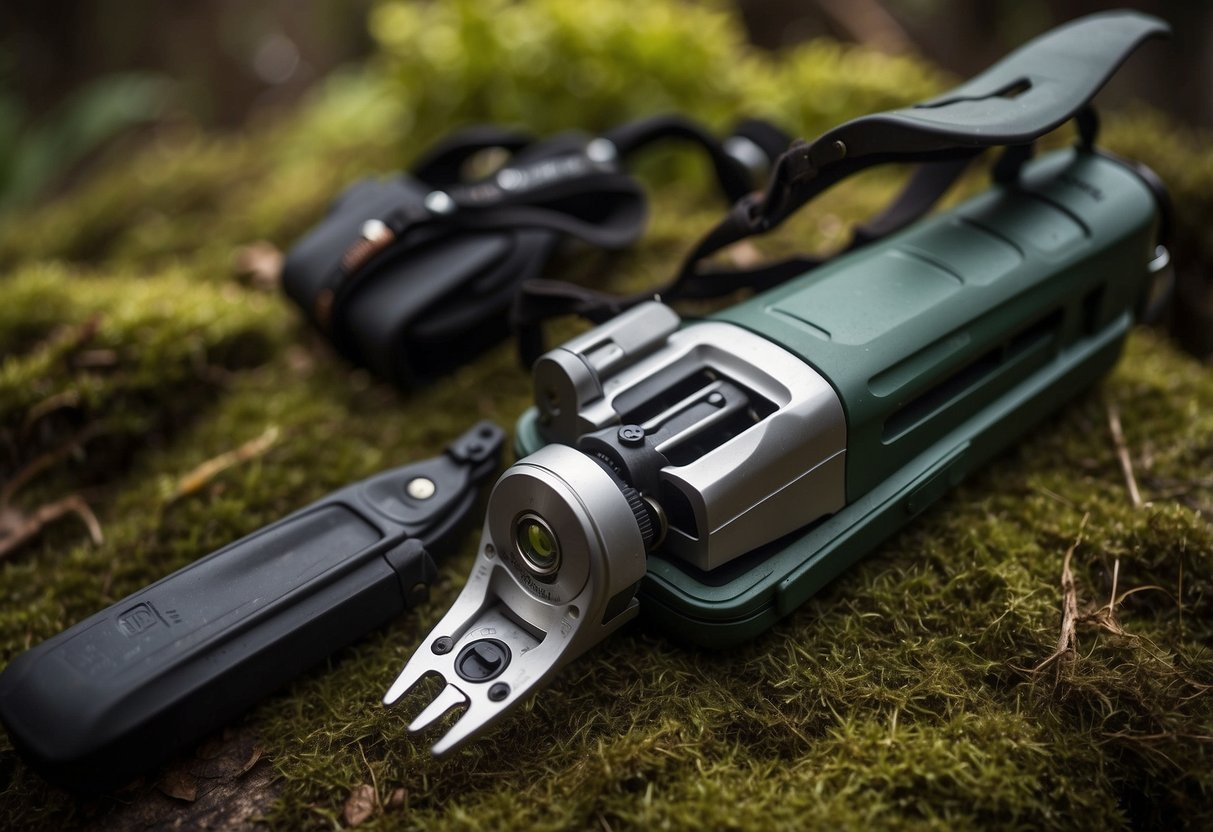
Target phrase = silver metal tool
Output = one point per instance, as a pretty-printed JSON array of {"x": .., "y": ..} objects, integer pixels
[
  {"x": 560, "y": 558},
  {"x": 660, "y": 416}
]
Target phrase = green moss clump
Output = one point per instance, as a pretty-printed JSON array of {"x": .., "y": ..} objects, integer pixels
[
  {"x": 915, "y": 692},
  {"x": 550, "y": 66}
]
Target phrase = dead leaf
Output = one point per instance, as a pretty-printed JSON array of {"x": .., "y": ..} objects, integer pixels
[
  {"x": 396, "y": 800},
  {"x": 231, "y": 804},
  {"x": 360, "y": 805},
  {"x": 212, "y": 746},
  {"x": 252, "y": 760},
  {"x": 261, "y": 262},
  {"x": 180, "y": 785}
]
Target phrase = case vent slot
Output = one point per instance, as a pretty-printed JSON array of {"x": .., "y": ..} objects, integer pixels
[{"x": 961, "y": 382}]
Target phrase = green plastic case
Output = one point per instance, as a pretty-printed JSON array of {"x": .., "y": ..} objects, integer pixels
[{"x": 945, "y": 343}]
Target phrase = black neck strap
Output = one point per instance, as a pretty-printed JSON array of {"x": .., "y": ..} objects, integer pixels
[
  {"x": 570, "y": 184},
  {"x": 1029, "y": 93}
]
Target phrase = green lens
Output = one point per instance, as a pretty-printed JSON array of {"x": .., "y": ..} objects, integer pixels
[
  {"x": 537, "y": 544},
  {"x": 540, "y": 544}
]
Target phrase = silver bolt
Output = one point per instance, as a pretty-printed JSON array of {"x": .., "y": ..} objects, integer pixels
[
  {"x": 374, "y": 230},
  {"x": 601, "y": 150},
  {"x": 510, "y": 179},
  {"x": 439, "y": 202},
  {"x": 421, "y": 488},
  {"x": 748, "y": 153}
]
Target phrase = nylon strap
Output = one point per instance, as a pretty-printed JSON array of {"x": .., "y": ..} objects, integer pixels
[
  {"x": 1029, "y": 93},
  {"x": 569, "y": 184}
]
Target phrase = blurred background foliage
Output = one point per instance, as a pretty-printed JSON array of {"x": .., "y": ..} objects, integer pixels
[
  {"x": 75, "y": 77},
  {"x": 138, "y": 98}
]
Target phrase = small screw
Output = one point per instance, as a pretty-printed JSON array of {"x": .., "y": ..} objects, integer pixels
[
  {"x": 375, "y": 230},
  {"x": 421, "y": 488},
  {"x": 439, "y": 202},
  {"x": 442, "y": 645},
  {"x": 716, "y": 399},
  {"x": 601, "y": 150},
  {"x": 499, "y": 691},
  {"x": 510, "y": 179},
  {"x": 631, "y": 435}
]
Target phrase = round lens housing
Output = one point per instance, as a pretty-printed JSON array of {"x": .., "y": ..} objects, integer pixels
[{"x": 538, "y": 545}]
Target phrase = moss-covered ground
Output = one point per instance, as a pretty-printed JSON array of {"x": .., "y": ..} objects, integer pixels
[{"x": 923, "y": 689}]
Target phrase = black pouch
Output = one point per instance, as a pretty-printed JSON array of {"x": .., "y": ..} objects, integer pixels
[{"x": 414, "y": 275}]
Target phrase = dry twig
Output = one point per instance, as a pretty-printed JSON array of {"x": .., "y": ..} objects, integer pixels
[
  {"x": 1067, "y": 640},
  {"x": 207, "y": 471},
  {"x": 17, "y": 527},
  {"x": 43, "y": 462},
  {"x": 1122, "y": 454}
]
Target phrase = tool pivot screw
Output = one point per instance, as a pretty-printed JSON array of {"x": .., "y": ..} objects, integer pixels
[
  {"x": 631, "y": 435},
  {"x": 442, "y": 645},
  {"x": 499, "y": 691},
  {"x": 421, "y": 488}
]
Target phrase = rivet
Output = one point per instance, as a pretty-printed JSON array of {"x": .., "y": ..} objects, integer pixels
[
  {"x": 601, "y": 151},
  {"x": 421, "y": 488},
  {"x": 631, "y": 435},
  {"x": 439, "y": 202},
  {"x": 510, "y": 179},
  {"x": 375, "y": 230}
]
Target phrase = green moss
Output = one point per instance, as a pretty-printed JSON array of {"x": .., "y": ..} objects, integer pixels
[
  {"x": 909, "y": 694},
  {"x": 499, "y": 60}
]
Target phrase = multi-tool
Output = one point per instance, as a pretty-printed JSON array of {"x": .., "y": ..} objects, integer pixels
[{"x": 713, "y": 474}]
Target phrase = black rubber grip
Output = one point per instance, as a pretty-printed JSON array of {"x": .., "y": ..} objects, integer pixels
[{"x": 127, "y": 687}]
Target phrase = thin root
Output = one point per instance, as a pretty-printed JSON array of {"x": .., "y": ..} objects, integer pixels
[
  {"x": 17, "y": 528},
  {"x": 42, "y": 463}
]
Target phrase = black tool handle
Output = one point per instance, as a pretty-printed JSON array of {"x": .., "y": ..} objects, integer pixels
[{"x": 125, "y": 688}]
